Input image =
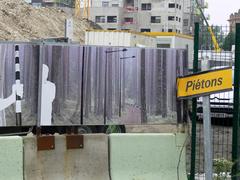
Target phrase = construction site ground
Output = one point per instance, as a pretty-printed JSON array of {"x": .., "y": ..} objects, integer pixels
[{"x": 20, "y": 21}]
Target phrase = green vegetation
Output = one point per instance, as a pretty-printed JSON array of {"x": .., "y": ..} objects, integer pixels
[
  {"x": 113, "y": 129},
  {"x": 222, "y": 168},
  {"x": 229, "y": 41},
  {"x": 225, "y": 40}
]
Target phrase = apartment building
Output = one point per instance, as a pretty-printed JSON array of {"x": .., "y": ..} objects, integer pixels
[
  {"x": 138, "y": 15},
  {"x": 191, "y": 14},
  {"x": 51, "y": 3},
  {"x": 188, "y": 16},
  {"x": 233, "y": 19}
]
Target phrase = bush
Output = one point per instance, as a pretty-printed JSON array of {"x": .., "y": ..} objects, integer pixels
[{"x": 222, "y": 168}]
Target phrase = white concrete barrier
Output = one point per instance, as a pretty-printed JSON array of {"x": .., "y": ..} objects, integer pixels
[
  {"x": 89, "y": 163},
  {"x": 147, "y": 156},
  {"x": 11, "y": 158}
]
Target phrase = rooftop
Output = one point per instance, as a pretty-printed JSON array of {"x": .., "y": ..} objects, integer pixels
[{"x": 151, "y": 34}]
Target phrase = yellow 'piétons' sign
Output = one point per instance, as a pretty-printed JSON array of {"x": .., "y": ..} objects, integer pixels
[{"x": 204, "y": 83}]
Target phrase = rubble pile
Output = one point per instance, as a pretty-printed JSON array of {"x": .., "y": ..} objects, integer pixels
[{"x": 20, "y": 21}]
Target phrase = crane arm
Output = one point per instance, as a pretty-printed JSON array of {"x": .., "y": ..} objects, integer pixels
[{"x": 214, "y": 39}]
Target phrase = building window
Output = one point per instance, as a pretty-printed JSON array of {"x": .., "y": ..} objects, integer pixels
[
  {"x": 180, "y": 7},
  {"x": 155, "y": 19},
  {"x": 128, "y": 20},
  {"x": 177, "y": 5},
  {"x": 163, "y": 46},
  {"x": 185, "y": 22},
  {"x": 171, "y": 18},
  {"x": 171, "y": 5},
  {"x": 176, "y": 18},
  {"x": 115, "y": 5},
  {"x": 179, "y": 19},
  {"x": 37, "y": 4},
  {"x": 100, "y": 19},
  {"x": 146, "y": 6},
  {"x": 145, "y": 30},
  {"x": 112, "y": 19},
  {"x": 162, "y": 30},
  {"x": 170, "y": 30},
  {"x": 105, "y": 4}
]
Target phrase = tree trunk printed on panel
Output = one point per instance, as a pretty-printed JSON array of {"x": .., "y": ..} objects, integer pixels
[
  {"x": 88, "y": 83},
  {"x": 143, "y": 89},
  {"x": 75, "y": 119},
  {"x": 109, "y": 87},
  {"x": 158, "y": 83},
  {"x": 56, "y": 53},
  {"x": 96, "y": 81},
  {"x": 164, "y": 85}
]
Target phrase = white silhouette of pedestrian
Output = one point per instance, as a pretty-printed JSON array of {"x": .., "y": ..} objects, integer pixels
[
  {"x": 5, "y": 103},
  {"x": 16, "y": 90},
  {"x": 47, "y": 97}
]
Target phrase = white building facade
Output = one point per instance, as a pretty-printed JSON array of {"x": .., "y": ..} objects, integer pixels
[
  {"x": 145, "y": 15},
  {"x": 138, "y": 15}
]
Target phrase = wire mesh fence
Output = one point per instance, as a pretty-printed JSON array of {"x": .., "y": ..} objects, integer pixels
[{"x": 221, "y": 104}]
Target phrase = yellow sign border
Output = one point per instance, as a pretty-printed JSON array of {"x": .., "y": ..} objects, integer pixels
[{"x": 220, "y": 80}]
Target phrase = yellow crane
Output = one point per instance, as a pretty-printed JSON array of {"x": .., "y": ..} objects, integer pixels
[
  {"x": 77, "y": 8},
  {"x": 85, "y": 8},
  {"x": 214, "y": 39}
]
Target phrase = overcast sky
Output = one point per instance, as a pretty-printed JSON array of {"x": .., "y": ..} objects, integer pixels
[{"x": 219, "y": 10}]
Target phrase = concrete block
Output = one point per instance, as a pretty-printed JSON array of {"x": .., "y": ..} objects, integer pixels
[
  {"x": 11, "y": 158},
  {"x": 146, "y": 157},
  {"x": 156, "y": 128},
  {"x": 182, "y": 141},
  {"x": 89, "y": 163}
]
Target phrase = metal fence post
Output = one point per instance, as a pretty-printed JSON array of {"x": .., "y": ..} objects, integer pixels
[
  {"x": 207, "y": 129},
  {"x": 194, "y": 104},
  {"x": 235, "y": 139}
]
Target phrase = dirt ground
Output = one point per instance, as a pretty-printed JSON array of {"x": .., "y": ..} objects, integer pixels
[{"x": 20, "y": 21}]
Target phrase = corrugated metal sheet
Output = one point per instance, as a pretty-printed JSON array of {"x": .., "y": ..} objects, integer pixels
[
  {"x": 107, "y": 38},
  {"x": 118, "y": 38}
]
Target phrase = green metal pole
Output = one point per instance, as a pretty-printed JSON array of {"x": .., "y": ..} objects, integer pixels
[
  {"x": 235, "y": 139},
  {"x": 194, "y": 104}
]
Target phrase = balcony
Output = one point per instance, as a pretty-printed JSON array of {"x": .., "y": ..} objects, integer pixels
[
  {"x": 48, "y": 1},
  {"x": 128, "y": 21},
  {"x": 130, "y": 9}
]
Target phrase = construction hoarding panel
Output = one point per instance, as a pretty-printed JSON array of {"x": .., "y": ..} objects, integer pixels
[
  {"x": 29, "y": 63},
  {"x": 99, "y": 85}
]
